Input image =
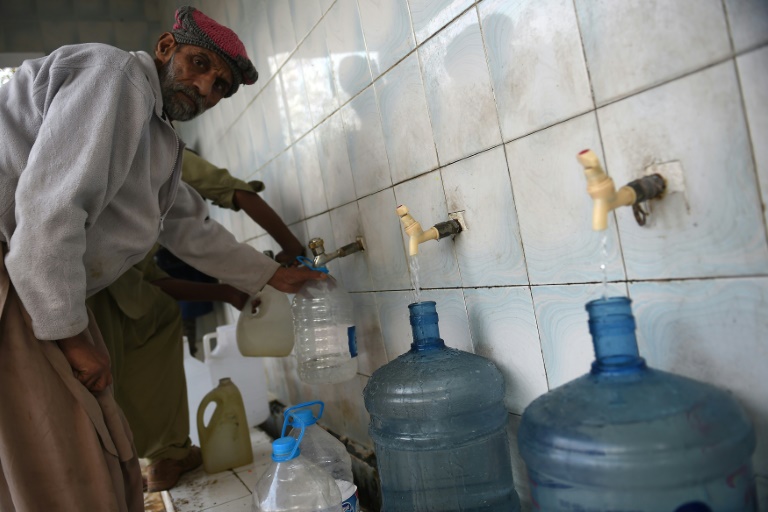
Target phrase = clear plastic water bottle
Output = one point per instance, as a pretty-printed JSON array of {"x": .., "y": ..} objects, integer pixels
[
  {"x": 323, "y": 449},
  {"x": 626, "y": 437},
  {"x": 292, "y": 483},
  {"x": 438, "y": 424},
  {"x": 326, "y": 346},
  {"x": 318, "y": 445}
]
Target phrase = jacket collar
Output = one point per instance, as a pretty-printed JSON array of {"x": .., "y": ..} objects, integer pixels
[{"x": 150, "y": 70}]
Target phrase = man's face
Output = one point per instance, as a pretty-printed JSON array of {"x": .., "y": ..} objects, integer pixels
[{"x": 193, "y": 80}]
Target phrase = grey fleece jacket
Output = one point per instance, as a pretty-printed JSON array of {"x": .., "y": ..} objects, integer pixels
[{"x": 90, "y": 179}]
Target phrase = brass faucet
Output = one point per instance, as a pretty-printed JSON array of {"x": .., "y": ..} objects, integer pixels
[
  {"x": 418, "y": 236},
  {"x": 603, "y": 191},
  {"x": 317, "y": 246}
]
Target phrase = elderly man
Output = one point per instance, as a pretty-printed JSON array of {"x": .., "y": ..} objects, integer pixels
[{"x": 90, "y": 171}]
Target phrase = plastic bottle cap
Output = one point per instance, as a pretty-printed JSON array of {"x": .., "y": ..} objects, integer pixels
[{"x": 284, "y": 449}]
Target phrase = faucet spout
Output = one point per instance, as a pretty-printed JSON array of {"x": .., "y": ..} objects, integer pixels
[
  {"x": 317, "y": 246},
  {"x": 417, "y": 235},
  {"x": 605, "y": 197}
]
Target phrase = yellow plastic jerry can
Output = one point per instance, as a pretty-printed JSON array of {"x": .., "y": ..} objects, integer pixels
[{"x": 225, "y": 441}]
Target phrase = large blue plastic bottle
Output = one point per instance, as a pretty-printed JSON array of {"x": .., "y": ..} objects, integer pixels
[
  {"x": 626, "y": 437},
  {"x": 438, "y": 425}
]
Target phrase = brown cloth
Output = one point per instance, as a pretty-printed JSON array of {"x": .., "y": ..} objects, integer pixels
[{"x": 62, "y": 448}]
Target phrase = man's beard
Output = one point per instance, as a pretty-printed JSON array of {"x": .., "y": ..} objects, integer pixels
[{"x": 175, "y": 107}]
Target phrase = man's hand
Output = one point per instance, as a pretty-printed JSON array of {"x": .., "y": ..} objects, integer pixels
[
  {"x": 287, "y": 257},
  {"x": 290, "y": 280},
  {"x": 239, "y": 299},
  {"x": 90, "y": 364}
]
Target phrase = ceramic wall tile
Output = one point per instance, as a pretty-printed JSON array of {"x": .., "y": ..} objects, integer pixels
[
  {"x": 347, "y": 226},
  {"x": 310, "y": 176},
  {"x": 748, "y": 20},
  {"x": 384, "y": 244},
  {"x": 299, "y": 230},
  {"x": 489, "y": 251},
  {"x": 365, "y": 144},
  {"x": 429, "y": 16},
  {"x": 320, "y": 227},
  {"x": 753, "y": 72},
  {"x": 258, "y": 45},
  {"x": 288, "y": 186},
  {"x": 387, "y": 30},
  {"x": 563, "y": 330},
  {"x": 316, "y": 64},
  {"x": 636, "y": 44},
  {"x": 353, "y": 412},
  {"x": 405, "y": 120},
  {"x": 58, "y": 33},
  {"x": 257, "y": 135},
  {"x": 458, "y": 89},
  {"x": 554, "y": 209},
  {"x": 519, "y": 470},
  {"x": 275, "y": 116},
  {"x": 334, "y": 162},
  {"x": 326, "y": 4},
  {"x": 536, "y": 63},
  {"x": 305, "y": 14},
  {"x": 283, "y": 33},
  {"x": 712, "y": 331},
  {"x": 271, "y": 193},
  {"x": 396, "y": 328},
  {"x": 295, "y": 97},
  {"x": 715, "y": 226},
  {"x": 504, "y": 330},
  {"x": 370, "y": 344},
  {"x": 346, "y": 46},
  {"x": 425, "y": 198}
]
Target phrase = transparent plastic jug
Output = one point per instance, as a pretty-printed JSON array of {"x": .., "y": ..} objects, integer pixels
[
  {"x": 318, "y": 445},
  {"x": 225, "y": 441},
  {"x": 225, "y": 360},
  {"x": 326, "y": 346},
  {"x": 626, "y": 437},
  {"x": 269, "y": 331},
  {"x": 438, "y": 424},
  {"x": 291, "y": 483}
]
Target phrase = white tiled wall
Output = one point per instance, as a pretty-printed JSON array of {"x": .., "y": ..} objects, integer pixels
[{"x": 480, "y": 108}]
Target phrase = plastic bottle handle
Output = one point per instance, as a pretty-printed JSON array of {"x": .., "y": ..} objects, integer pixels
[
  {"x": 202, "y": 429},
  {"x": 207, "y": 344},
  {"x": 287, "y": 414},
  {"x": 261, "y": 310}
]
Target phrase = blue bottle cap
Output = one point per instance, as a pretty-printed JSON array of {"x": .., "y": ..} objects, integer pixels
[{"x": 285, "y": 448}]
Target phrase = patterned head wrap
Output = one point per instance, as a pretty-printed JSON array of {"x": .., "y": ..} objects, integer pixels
[{"x": 195, "y": 28}]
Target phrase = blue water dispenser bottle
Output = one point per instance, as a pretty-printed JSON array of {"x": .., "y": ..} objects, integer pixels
[{"x": 626, "y": 437}]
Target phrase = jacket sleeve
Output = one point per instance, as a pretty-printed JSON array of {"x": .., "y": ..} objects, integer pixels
[
  {"x": 92, "y": 121},
  {"x": 205, "y": 244},
  {"x": 211, "y": 182}
]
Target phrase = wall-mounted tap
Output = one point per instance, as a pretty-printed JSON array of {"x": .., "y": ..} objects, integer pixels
[
  {"x": 606, "y": 198},
  {"x": 419, "y": 236},
  {"x": 317, "y": 246}
]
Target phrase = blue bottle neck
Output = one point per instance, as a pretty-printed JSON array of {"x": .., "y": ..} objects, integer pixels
[
  {"x": 612, "y": 326},
  {"x": 426, "y": 333}
]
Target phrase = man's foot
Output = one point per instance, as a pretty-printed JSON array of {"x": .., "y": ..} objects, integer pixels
[{"x": 164, "y": 474}]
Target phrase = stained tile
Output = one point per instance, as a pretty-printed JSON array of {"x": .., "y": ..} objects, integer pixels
[
  {"x": 504, "y": 330},
  {"x": 310, "y": 176},
  {"x": 714, "y": 227},
  {"x": 347, "y": 226},
  {"x": 334, "y": 162},
  {"x": 405, "y": 120},
  {"x": 429, "y": 16},
  {"x": 396, "y": 328},
  {"x": 636, "y": 44},
  {"x": 425, "y": 198},
  {"x": 316, "y": 64},
  {"x": 384, "y": 244},
  {"x": 197, "y": 490},
  {"x": 562, "y": 319},
  {"x": 554, "y": 209},
  {"x": 458, "y": 90},
  {"x": 536, "y": 63},
  {"x": 371, "y": 353},
  {"x": 489, "y": 251},
  {"x": 283, "y": 33},
  {"x": 240, "y": 505},
  {"x": 388, "y": 34},
  {"x": 753, "y": 72},
  {"x": 748, "y": 20},
  {"x": 712, "y": 331},
  {"x": 365, "y": 144},
  {"x": 346, "y": 47},
  {"x": 353, "y": 412}
]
